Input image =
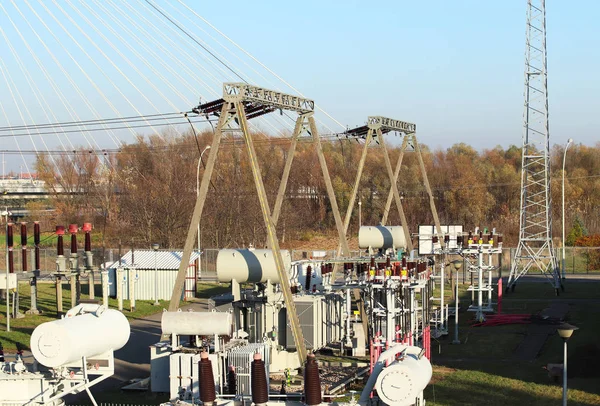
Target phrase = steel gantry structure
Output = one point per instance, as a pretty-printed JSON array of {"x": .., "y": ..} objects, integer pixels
[
  {"x": 375, "y": 129},
  {"x": 535, "y": 248},
  {"x": 240, "y": 103}
]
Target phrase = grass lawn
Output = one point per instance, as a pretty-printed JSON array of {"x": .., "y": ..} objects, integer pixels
[
  {"x": 21, "y": 329},
  {"x": 482, "y": 369}
]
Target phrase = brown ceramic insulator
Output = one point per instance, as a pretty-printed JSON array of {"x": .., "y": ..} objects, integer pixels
[
  {"x": 388, "y": 262},
  {"x": 11, "y": 262},
  {"x": 434, "y": 239},
  {"x": 312, "y": 382},
  {"x": 206, "y": 379},
  {"x": 9, "y": 235},
  {"x": 308, "y": 276},
  {"x": 372, "y": 262},
  {"x": 403, "y": 262},
  {"x": 294, "y": 289},
  {"x": 88, "y": 241},
  {"x": 459, "y": 240},
  {"x": 73, "y": 243},
  {"x": 499, "y": 239},
  {"x": 24, "y": 258},
  {"x": 36, "y": 241},
  {"x": 36, "y": 233},
  {"x": 259, "y": 388},
  {"x": 446, "y": 238},
  {"x": 231, "y": 382},
  {"x": 10, "y": 243},
  {"x": 23, "y": 234},
  {"x": 60, "y": 246}
]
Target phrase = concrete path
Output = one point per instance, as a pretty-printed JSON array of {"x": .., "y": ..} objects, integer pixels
[{"x": 537, "y": 334}]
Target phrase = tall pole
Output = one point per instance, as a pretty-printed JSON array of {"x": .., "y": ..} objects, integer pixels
[
  {"x": 564, "y": 271},
  {"x": 198, "y": 190},
  {"x": 456, "y": 340},
  {"x": 564, "y": 397},
  {"x": 7, "y": 272},
  {"x": 155, "y": 248}
]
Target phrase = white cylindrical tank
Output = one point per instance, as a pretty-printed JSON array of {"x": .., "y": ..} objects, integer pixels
[
  {"x": 197, "y": 323},
  {"x": 403, "y": 381},
  {"x": 381, "y": 237},
  {"x": 61, "y": 342},
  {"x": 250, "y": 265}
]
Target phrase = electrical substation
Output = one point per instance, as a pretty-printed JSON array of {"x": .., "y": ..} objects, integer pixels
[
  {"x": 269, "y": 339},
  {"x": 380, "y": 305}
]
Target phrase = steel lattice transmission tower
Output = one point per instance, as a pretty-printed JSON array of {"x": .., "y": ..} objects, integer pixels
[{"x": 535, "y": 249}]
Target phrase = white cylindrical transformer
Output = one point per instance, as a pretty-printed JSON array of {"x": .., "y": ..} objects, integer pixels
[
  {"x": 381, "y": 237},
  {"x": 250, "y": 265},
  {"x": 403, "y": 381},
  {"x": 60, "y": 342},
  {"x": 197, "y": 323}
]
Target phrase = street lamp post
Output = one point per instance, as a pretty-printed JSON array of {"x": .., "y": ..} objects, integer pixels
[
  {"x": 565, "y": 331},
  {"x": 564, "y": 271},
  {"x": 155, "y": 248},
  {"x": 197, "y": 194},
  {"x": 457, "y": 265}
]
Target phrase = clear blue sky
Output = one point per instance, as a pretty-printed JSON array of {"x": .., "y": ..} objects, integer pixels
[{"x": 455, "y": 68}]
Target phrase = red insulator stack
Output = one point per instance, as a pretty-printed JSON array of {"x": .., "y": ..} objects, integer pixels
[
  {"x": 231, "y": 381},
  {"x": 312, "y": 382},
  {"x": 24, "y": 246},
  {"x": 260, "y": 390},
  {"x": 60, "y": 248},
  {"x": 73, "y": 231},
  {"x": 9, "y": 244},
  {"x": 308, "y": 276},
  {"x": 36, "y": 241},
  {"x": 206, "y": 379},
  {"x": 459, "y": 241}
]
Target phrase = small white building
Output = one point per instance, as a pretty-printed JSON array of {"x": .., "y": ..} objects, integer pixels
[{"x": 152, "y": 271}]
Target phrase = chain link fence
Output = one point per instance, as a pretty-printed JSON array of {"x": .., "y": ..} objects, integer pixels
[{"x": 578, "y": 260}]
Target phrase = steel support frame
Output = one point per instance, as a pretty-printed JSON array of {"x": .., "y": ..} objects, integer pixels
[
  {"x": 234, "y": 107},
  {"x": 394, "y": 189}
]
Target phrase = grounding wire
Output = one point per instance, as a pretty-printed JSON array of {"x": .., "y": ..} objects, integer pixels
[
  {"x": 194, "y": 39},
  {"x": 180, "y": 26},
  {"x": 257, "y": 61},
  {"x": 88, "y": 130},
  {"x": 173, "y": 44},
  {"x": 137, "y": 28},
  {"x": 117, "y": 120}
]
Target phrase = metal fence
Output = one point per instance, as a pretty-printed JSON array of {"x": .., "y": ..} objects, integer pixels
[{"x": 578, "y": 260}]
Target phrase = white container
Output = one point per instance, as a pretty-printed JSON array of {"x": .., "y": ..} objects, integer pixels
[
  {"x": 250, "y": 265},
  {"x": 60, "y": 342},
  {"x": 381, "y": 237},
  {"x": 197, "y": 323}
]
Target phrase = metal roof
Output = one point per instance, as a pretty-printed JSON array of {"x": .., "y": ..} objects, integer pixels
[{"x": 145, "y": 259}]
